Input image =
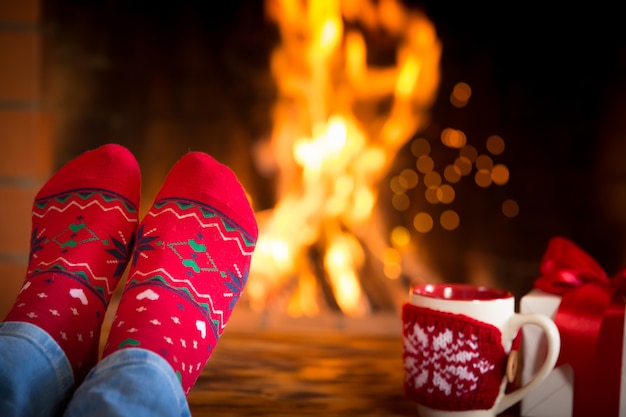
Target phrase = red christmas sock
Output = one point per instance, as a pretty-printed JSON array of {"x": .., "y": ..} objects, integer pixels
[
  {"x": 189, "y": 267},
  {"x": 84, "y": 221}
]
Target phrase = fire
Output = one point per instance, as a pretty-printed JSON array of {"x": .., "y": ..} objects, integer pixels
[{"x": 339, "y": 121}]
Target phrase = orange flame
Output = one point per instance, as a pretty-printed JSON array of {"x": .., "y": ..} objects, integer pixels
[{"x": 332, "y": 145}]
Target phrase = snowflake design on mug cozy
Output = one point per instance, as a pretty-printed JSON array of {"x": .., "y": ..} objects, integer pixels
[{"x": 451, "y": 361}]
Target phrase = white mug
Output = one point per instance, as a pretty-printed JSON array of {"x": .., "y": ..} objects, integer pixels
[{"x": 459, "y": 350}]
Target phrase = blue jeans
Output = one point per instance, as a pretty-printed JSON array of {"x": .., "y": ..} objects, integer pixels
[{"x": 36, "y": 380}]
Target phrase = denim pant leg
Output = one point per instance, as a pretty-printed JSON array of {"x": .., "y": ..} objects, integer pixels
[
  {"x": 131, "y": 382},
  {"x": 36, "y": 378}
]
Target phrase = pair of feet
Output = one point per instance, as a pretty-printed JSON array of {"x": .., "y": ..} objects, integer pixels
[{"x": 189, "y": 259}]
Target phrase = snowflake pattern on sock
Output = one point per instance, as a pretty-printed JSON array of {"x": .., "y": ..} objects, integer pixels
[{"x": 451, "y": 361}]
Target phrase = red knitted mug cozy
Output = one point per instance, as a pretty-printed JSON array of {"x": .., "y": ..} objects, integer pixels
[{"x": 451, "y": 361}]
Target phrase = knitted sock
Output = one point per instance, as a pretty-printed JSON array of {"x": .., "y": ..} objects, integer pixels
[
  {"x": 84, "y": 220},
  {"x": 189, "y": 267}
]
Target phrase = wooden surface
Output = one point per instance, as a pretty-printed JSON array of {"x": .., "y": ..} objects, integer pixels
[
  {"x": 327, "y": 366},
  {"x": 299, "y": 374}
]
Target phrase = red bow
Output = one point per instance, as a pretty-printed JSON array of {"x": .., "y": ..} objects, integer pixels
[{"x": 590, "y": 319}]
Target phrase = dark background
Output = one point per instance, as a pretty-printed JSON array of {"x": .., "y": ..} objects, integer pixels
[
  {"x": 163, "y": 78},
  {"x": 550, "y": 80}
]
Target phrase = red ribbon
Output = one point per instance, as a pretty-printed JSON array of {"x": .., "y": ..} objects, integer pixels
[{"x": 590, "y": 319}]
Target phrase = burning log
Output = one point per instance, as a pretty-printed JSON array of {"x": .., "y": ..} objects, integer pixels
[{"x": 339, "y": 121}]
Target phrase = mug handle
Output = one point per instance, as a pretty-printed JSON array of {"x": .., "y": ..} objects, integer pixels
[{"x": 513, "y": 325}]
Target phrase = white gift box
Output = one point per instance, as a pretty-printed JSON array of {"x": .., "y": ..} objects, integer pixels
[{"x": 554, "y": 397}]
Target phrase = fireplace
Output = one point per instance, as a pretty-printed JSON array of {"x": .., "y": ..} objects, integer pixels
[{"x": 469, "y": 188}]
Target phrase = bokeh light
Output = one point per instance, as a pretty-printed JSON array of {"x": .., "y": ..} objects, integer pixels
[
  {"x": 409, "y": 178},
  {"x": 469, "y": 152},
  {"x": 400, "y": 202},
  {"x": 445, "y": 194},
  {"x": 431, "y": 195},
  {"x": 460, "y": 94},
  {"x": 500, "y": 174},
  {"x": 510, "y": 208},
  {"x": 400, "y": 236},
  {"x": 453, "y": 138},
  {"x": 452, "y": 174},
  {"x": 495, "y": 144},
  {"x": 397, "y": 186},
  {"x": 423, "y": 222},
  {"x": 420, "y": 147},
  {"x": 464, "y": 165},
  {"x": 449, "y": 220},
  {"x": 484, "y": 162},
  {"x": 432, "y": 179},
  {"x": 483, "y": 178},
  {"x": 392, "y": 267},
  {"x": 425, "y": 164}
]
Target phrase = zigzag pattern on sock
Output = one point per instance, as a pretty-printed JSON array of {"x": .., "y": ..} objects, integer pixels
[
  {"x": 60, "y": 240},
  {"x": 195, "y": 257}
]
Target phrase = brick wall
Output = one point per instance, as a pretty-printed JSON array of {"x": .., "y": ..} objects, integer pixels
[{"x": 25, "y": 143}]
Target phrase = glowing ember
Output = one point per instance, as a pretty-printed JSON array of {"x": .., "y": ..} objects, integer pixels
[{"x": 339, "y": 121}]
